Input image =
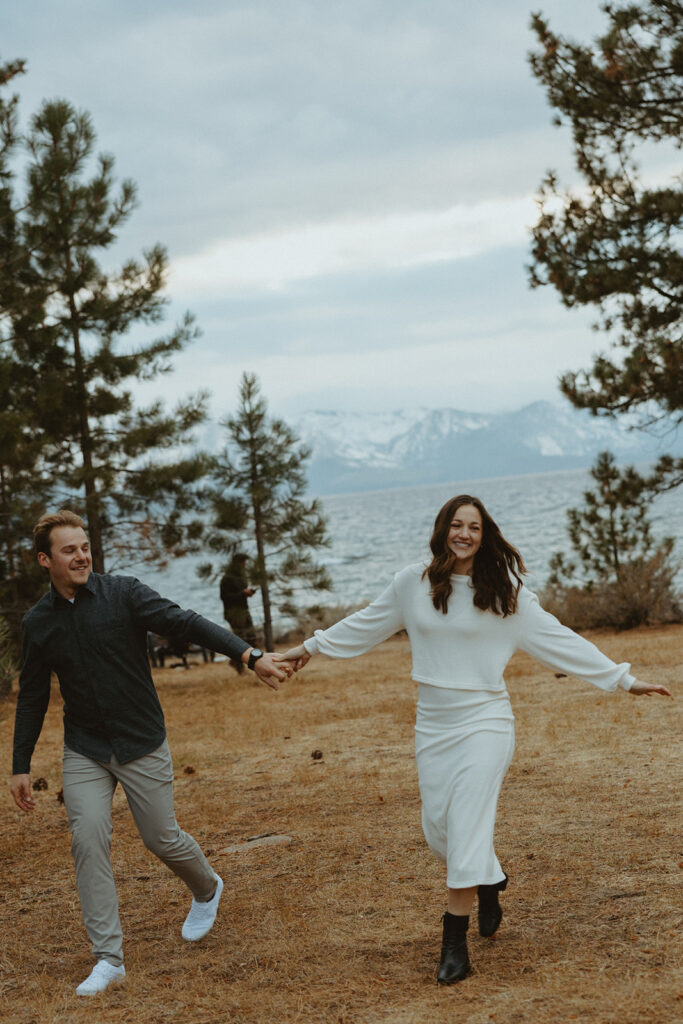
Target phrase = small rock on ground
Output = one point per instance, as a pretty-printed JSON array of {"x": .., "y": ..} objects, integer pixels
[{"x": 260, "y": 841}]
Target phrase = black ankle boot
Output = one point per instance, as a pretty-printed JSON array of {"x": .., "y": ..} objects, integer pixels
[
  {"x": 490, "y": 911},
  {"x": 455, "y": 963}
]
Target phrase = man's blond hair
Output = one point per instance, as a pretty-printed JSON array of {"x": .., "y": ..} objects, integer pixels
[{"x": 47, "y": 523}]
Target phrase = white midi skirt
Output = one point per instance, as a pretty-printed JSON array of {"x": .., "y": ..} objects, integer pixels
[{"x": 464, "y": 741}]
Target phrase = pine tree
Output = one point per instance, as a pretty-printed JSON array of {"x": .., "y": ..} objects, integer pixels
[
  {"x": 25, "y": 486},
  {"x": 612, "y": 528},
  {"x": 258, "y": 501},
  {"x": 615, "y": 243},
  {"x": 617, "y": 570},
  {"x": 64, "y": 324}
]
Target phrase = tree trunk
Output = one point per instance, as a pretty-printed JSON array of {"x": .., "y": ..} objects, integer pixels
[
  {"x": 14, "y": 611},
  {"x": 5, "y": 684},
  {"x": 260, "y": 546},
  {"x": 92, "y": 501},
  {"x": 7, "y": 665},
  {"x": 614, "y": 542},
  {"x": 265, "y": 590}
]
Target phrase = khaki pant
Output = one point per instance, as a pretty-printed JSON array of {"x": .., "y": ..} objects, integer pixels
[{"x": 148, "y": 784}]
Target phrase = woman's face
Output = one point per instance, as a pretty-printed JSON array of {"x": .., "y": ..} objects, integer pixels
[{"x": 464, "y": 537}]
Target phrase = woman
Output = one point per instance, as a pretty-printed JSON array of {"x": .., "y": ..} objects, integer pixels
[{"x": 466, "y": 613}]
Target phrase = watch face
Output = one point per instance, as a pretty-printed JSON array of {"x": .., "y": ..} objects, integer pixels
[{"x": 254, "y": 657}]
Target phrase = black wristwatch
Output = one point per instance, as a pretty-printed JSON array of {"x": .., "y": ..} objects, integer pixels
[{"x": 254, "y": 657}]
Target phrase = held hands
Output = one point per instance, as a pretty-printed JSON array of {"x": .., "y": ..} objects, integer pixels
[
  {"x": 297, "y": 657},
  {"x": 641, "y": 689},
  {"x": 20, "y": 787},
  {"x": 270, "y": 671}
]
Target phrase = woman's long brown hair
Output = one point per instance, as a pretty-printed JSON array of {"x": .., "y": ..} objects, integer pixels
[{"x": 496, "y": 563}]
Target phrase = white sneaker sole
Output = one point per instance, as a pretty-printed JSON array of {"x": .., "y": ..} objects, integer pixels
[{"x": 116, "y": 980}]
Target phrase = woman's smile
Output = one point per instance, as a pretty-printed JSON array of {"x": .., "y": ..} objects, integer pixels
[{"x": 464, "y": 536}]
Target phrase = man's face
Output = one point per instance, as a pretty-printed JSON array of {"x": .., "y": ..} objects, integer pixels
[{"x": 69, "y": 562}]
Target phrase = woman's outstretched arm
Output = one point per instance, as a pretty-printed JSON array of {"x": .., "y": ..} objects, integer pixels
[
  {"x": 355, "y": 634},
  {"x": 554, "y": 644}
]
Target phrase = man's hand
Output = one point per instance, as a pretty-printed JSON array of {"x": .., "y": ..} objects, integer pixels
[
  {"x": 297, "y": 657},
  {"x": 641, "y": 689},
  {"x": 270, "y": 672},
  {"x": 20, "y": 787}
]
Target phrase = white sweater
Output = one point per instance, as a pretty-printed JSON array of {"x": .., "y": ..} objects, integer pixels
[{"x": 466, "y": 649}]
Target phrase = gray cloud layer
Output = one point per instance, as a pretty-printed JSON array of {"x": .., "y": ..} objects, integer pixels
[{"x": 244, "y": 123}]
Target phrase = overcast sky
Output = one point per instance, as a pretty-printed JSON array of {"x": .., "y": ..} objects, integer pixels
[{"x": 344, "y": 186}]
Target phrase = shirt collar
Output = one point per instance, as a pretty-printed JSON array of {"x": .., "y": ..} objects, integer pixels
[{"x": 55, "y": 596}]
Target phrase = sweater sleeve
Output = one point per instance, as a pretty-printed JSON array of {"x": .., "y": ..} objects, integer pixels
[
  {"x": 32, "y": 702},
  {"x": 361, "y": 631},
  {"x": 557, "y": 646},
  {"x": 162, "y": 616}
]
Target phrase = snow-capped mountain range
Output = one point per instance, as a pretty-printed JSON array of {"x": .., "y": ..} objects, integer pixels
[{"x": 357, "y": 452}]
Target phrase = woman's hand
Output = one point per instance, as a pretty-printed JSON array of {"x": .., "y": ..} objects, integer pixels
[
  {"x": 296, "y": 656},
  {"x": 641, "y": 689},
  {"x": 270, "y": 671}
]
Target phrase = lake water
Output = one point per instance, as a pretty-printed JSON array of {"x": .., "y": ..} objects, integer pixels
[{"x": 376, "y": 533}]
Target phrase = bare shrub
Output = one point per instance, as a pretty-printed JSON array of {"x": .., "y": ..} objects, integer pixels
[
  {"x": 316, "y": 616},
  {"x": 644, "y": 594}
]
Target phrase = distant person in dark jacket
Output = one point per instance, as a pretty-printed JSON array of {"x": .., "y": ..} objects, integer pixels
[
  {"x": 235, "y": 594},
  {"x": 91, "y": 630}
]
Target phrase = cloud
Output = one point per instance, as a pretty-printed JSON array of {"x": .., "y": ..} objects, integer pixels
[
  {"x": 353, "y": 245},
  {"x": 466, "y": 334},
  {"x": 493, "y": 364},
  {"x": 344, "y": 188}
]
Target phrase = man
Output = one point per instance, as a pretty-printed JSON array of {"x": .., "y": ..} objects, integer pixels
[
  {"x": 235, "y": 593},
  {"x": 91, "y": 630}
]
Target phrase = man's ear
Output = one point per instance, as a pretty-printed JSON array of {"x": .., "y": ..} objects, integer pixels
[{"x": 44, "y": 560}]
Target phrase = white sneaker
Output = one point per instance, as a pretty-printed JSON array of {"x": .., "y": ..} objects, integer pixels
[
  {"x": 102, "y": 975},
  {"x": 199, "y": 921}
]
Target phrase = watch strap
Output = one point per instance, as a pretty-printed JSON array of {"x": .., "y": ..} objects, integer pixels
[{"x": 254, "y": 656}]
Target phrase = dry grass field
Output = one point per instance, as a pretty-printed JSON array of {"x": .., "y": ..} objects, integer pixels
[{"x": 342, "y": 926}]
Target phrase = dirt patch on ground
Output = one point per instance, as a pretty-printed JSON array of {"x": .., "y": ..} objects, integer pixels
[{"x": 342, "y": 924}]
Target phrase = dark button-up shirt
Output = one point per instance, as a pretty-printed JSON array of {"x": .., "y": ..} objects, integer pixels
[{"x": 97, "y": 646}]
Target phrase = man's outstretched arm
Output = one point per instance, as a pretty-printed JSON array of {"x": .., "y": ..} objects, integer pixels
[{"x": 159, "y": 615}]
